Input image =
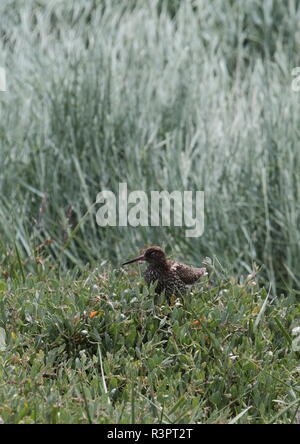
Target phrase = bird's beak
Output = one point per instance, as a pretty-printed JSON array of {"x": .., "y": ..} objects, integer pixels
[{"x": 140, "y": 258}]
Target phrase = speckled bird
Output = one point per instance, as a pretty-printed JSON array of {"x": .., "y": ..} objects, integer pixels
[{"x": 172, "y": 277}]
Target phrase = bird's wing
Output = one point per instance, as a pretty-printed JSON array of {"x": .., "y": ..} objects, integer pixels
[{"x": 188, "y": 275}]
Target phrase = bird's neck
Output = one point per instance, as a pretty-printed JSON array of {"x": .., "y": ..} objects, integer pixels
[{"x": 160, "y": 265}]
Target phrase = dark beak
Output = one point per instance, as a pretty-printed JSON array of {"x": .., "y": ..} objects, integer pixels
[{"x": 140, "y": 258}]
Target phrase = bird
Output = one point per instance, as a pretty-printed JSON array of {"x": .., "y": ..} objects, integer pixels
[{"x": 170, "y": 276}]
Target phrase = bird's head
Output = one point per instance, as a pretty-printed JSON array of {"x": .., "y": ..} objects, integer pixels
[{"x": 152, "y": 255}]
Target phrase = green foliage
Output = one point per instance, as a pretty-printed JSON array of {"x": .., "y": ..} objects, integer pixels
[
  {"x": 162, "y": 95},
  {"x": 97, "y": 346}
]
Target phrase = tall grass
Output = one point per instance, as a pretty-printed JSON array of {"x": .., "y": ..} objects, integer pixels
[{"x": 191, "y": 95}]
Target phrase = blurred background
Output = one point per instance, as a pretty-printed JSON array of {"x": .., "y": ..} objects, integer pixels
[{"x": 163, "y": 95}]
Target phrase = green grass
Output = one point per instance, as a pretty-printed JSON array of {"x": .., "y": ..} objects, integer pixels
[
  {"x": 164, "y": 95},
  {"x": 140, "y": 360}
]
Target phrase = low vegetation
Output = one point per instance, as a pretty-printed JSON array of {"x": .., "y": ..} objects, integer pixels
[{"x": 99, "y": 347}]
